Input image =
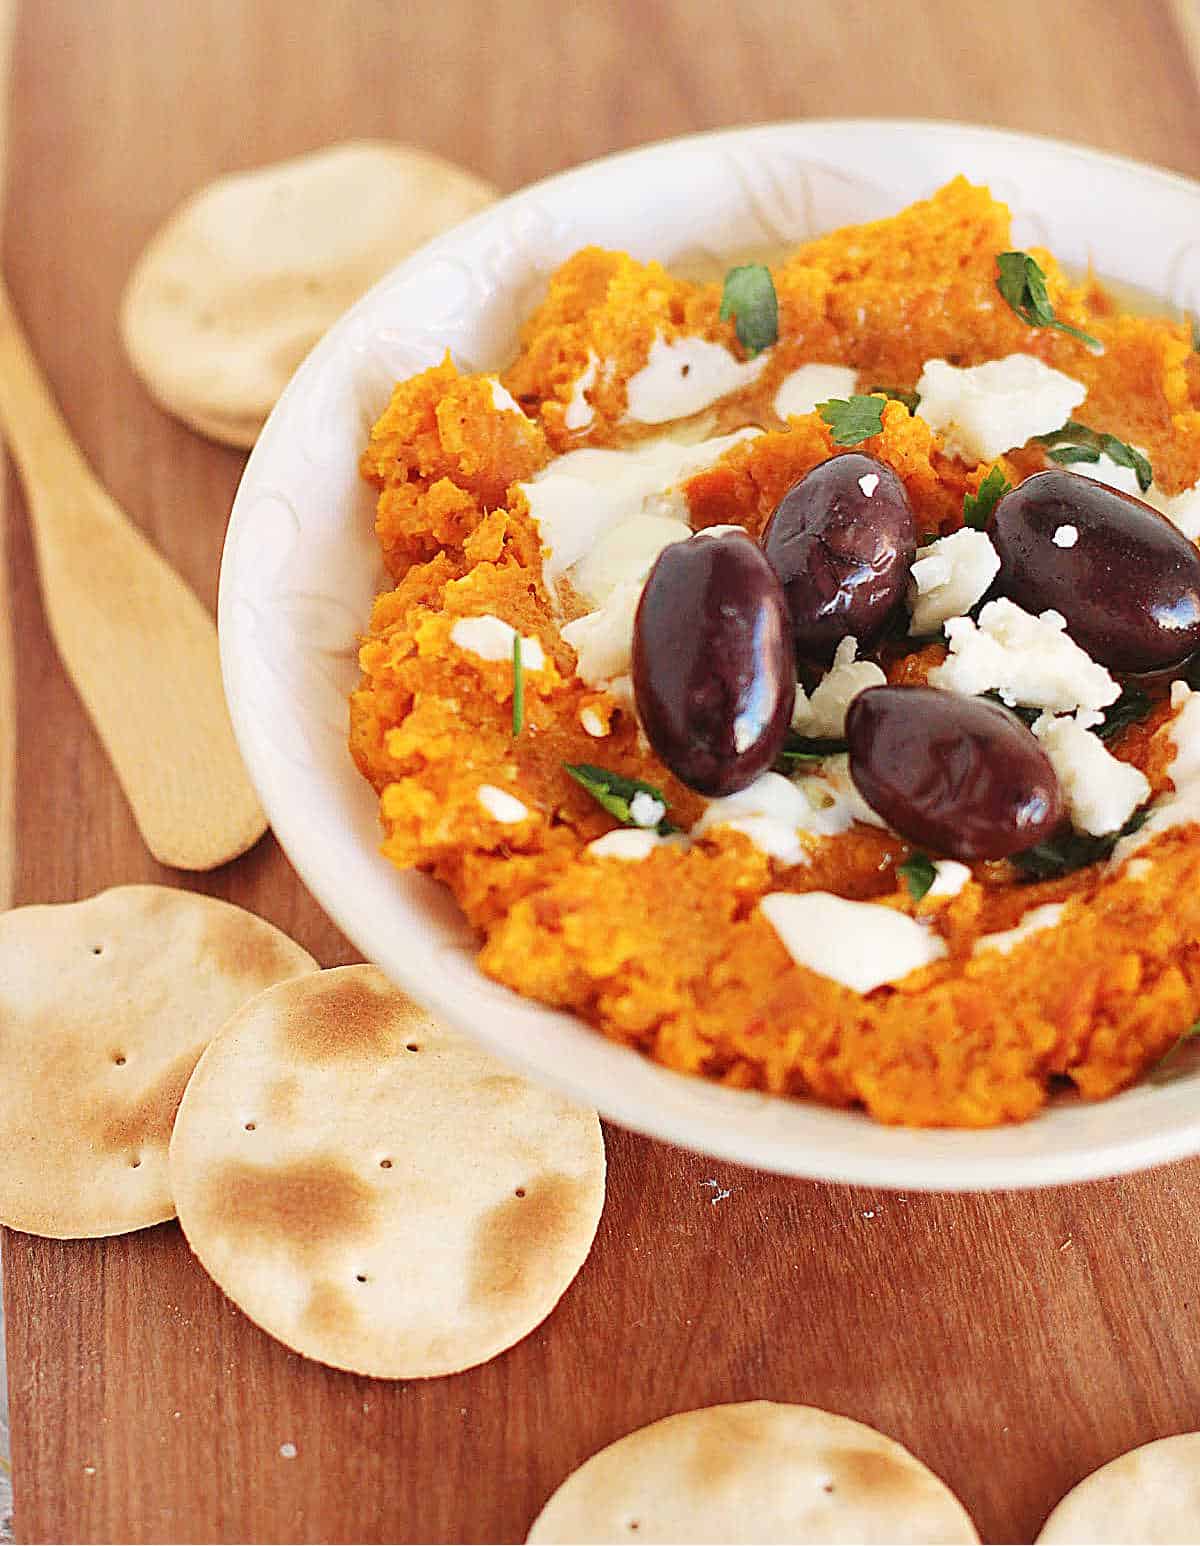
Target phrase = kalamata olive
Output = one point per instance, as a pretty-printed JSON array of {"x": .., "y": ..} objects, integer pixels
[
  {"x": 959, "y": 775},
  {"x": 712, "y": 661},
  {"x": 1127, "y": 582},
  {"x": 842, "y": 540}
]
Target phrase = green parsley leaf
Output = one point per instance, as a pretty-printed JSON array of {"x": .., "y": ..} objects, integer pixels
[
  {"x": 1023, "y": 285},
  {"x": 978, "y": 507},
  {"x": 518, "y": 712},
  {"x": 1133, "y": 705},
  {"x": 1076, "y": 442},
  {"x": 895, "y": 395},
  {"x": 1166, "y": 1069},
  {"x": 853, "y": 419},
  {"x": 919, "y": 874},
  {"x": 1196, "y": 335},
  {"x": 1073, "y": 851},
  {"x": 810, "y": 748},
  {"x": 749, "y": 298},
  {"x": 615, "y": 793},
  {"x": 1025, "y": 712}
]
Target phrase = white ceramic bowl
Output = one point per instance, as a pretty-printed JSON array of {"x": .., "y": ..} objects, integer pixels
[{"x": 301, "y": 568}]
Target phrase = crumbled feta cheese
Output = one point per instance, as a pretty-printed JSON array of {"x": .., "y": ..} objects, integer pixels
[
  {"x": 625, "y": 843},
  {"x": 859, "y": 944},
  {"x": 801, "y": 391},
  {"x": 1026, "y": 659},
  {"x": 581, "y": 495},
  {"x": 502, "y": 398},
  {"x": 845, "y": 804},
  {"x": 603, "y": 640},
  {"x": 491, "y": 638},
  {"x": 579, "y": 413},
  {"x": 949, "y": 577},
  {"x": 1033, "y": 922},
  {"x": 1065, "y": 536},
  {"x": 645, "y": 810},
  {"x": 501, "y": 805},
  {"x": 825, "y": 710},
  {"x": 627, "y": 552},
  {"x": 949, "y": 878},
  {"x": 1101, "y": 792},
  {"x": 592, "y": 723},
  {"x": 1182, "y": 806},
  {"x": 869, "y": 482},
  {"x": 984, "y": 410},
  {"x": 771, "y": 812},
  {"x": 684, "y": 376},
  {"x": 1182, "y": 510}
]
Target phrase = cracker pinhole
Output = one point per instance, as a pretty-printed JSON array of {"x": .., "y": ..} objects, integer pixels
[
  {"x": 520, "y": 1192},
  {"x": 287, "y": 1226},
  {"x": 109, "y": 1003},
  {"x": 412, "y": 1046},
  {"x": 250, "y": 1126}
]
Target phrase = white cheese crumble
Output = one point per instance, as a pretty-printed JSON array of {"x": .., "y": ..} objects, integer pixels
[
  {"x": 1101, "y": 791},
  {"x": 627, "y": 552},
  {"x": 949, "y": 878},
  {"x": 824, "y": 713},
  {"x": 1025, "y": 659},
  {"x": 592, "y": 723},
  {"x": 1065, "y": 536},
  {"x": 1033, "y": 922},
  {"x": 983, "y": 410},
  {"x": 583, "y": 494},
  {"x": 624, "y": 843},
  {"x": 684, "y": 376},
  {"x": 848, "y": 804},
  {"x": 771, "y": 812},
  {"x": 579, "y": 413},
  {"x": 603, "y": 639},
  {"x": 949, "y": 577},
  {"x": 801, "y": 391},
  {"x": 645, "y": 810},
  {"x": 1183, "y": 805},
  {"x": 502, "y": 398},
  {"x": 869, "y": 482},
  {"x": 859, "y": 944},
  {"x": 1182, "y": 510},
  {"x": 491, "y": 638},
  {"x": 502, "y": 806}
]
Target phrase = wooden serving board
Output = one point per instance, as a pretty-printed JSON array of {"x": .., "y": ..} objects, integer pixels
[{"x": 1014, "y": 1342}]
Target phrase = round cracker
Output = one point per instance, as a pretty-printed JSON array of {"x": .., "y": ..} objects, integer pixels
[
  {"x": 105, "y": 1007},
  {"x": 754, "y": 1471},
  {"x": 241, "y": 281},
  {"x": 1149, "y": 1494},
  {"x": 373, "y": 1189}
]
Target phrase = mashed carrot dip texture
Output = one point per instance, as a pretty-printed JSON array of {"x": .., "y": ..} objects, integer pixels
[{"x": 671, "y": 953}]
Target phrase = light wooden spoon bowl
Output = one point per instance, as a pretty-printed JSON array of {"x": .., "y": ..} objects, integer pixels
[{"x": 136, "y": 641}]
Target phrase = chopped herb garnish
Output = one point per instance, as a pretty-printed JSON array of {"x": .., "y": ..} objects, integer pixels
[
  {"x": 1073, "y": 851},
  {"x": 853, "y": 419},
  {"x": 1023, "y": 285},
  {"x": 811, "y": 748},
  {"x": 1076, "y": 442},
  {"x": 919, "y": 874},
  {"x": 1133, "y": 705},
  {"x": 749, "y": 298},
  {"x": 616, "y": 794},
  {"x": 896, "y": 395},
  {"x": 1196, "y": 335},
  {"x": 1024, "y": 711},
  {"x": 518, "y": 717},
  {"x": 1165, "y": 1070},
  {"x": 978, "y": 507}
]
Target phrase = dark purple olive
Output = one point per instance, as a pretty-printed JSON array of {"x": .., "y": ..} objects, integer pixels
[
  {"x": 712, "y": 662},
  {"x": 1127, "y": 582},
  {"x": 842, "y": 540},
  {"x": 959, "y": 775}
]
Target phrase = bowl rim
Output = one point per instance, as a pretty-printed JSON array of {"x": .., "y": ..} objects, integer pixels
[{"x": 934, "y": 1167}]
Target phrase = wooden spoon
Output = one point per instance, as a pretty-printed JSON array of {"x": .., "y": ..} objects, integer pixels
[{"x": 137, "y": 643}]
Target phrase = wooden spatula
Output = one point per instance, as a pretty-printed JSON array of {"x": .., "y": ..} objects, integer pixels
[{"x": 137, "y": 643}]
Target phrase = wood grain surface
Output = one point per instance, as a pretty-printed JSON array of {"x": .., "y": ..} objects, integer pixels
[{"x": 1013, "y": 1341}]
